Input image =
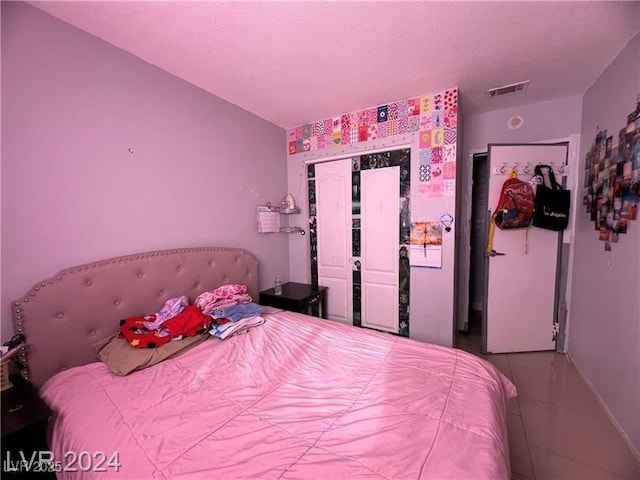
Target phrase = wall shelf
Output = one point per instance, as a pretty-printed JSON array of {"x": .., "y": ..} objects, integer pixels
[
  {"x": 288, "y": 211},
  {"x": 292, "y": 230},
  {"x": 265, "y": 217}
]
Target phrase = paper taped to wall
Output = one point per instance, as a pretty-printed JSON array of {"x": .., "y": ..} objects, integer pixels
[
  {"x": 425, "y": 249},
  {"x": 268, "y": 220}
]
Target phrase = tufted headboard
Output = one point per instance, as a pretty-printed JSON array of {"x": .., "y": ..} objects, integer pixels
[{"x": 63, "y": 316}]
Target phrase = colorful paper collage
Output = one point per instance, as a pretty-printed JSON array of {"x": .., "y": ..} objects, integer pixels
[
  {"x": 433, "y": 117},
  {"x": 438, "y": 137},
  {"x": 611, "y": 189}
]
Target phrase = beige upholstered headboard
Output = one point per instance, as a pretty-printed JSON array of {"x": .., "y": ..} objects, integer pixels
[{"x": 63, "y": 316}]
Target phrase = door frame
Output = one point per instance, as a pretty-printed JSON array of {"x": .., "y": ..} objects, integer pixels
[
  {"x": 404, "y": 218},
  {"x": 463, "y": 256},
  {"x": 472, "y": 264}
]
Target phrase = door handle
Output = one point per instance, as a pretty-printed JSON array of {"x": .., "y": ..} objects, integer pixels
[{"x": 493, "y": 253}]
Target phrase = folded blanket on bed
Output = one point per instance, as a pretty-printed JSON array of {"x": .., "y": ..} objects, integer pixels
[
  {"x": 226, "y": 330},
  {"x": 237, "y": 312}
]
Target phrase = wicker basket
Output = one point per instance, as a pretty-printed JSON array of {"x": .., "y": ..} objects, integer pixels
[{"x": 5, "y": 383}]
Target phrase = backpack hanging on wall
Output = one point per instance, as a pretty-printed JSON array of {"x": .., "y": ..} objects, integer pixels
[
  {"x": 552, "y": 203},
  {"x": 514, "y": 209}
]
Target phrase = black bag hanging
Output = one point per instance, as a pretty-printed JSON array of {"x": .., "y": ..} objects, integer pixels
[{"x": 552, "y": 203}]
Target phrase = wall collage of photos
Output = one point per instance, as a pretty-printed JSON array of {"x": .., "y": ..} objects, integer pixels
[{"x": 612, "y": 180}]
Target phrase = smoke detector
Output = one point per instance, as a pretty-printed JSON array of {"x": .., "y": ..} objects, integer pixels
[
  {"x": 515, "y": 122},
  {"x": 507, "y": 89}
]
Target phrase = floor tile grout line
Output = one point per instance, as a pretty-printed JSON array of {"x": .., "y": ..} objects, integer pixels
[
  {"x": 593, "y": 467},
  {"x": 524, "y": 430},
  {"x": 565, "y": 408},
  {"x": 521, "y": 477},
  {"x": 580, "y": 461},
  {"x": 558, "y": 405},
  {"x": 535, "y": 365},
  {"x": 516, "y": 397}
]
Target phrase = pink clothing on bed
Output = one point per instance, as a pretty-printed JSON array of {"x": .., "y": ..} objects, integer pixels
[
  {"x": 223, "y": 296},
  {"x": 172, "y": 308},
  {"x": 230, "y": 302}
]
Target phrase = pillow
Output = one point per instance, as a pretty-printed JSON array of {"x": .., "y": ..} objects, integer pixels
[{"x": 122, "y": 358}]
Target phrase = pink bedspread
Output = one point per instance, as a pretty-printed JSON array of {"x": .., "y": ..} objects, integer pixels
[{"x": 296, "y": 398}]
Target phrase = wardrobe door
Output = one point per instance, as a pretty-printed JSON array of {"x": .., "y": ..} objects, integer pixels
[
  {"x": 380, "y": 205},
  {"x": 333, "y": 205}
]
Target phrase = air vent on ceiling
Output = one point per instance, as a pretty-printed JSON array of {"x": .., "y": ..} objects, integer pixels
[{"x": 507, "y": 89}]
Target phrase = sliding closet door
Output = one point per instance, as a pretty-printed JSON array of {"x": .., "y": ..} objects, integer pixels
[
  {"x": 333, "y": 204},
  {"x": 380, "y": 205}
]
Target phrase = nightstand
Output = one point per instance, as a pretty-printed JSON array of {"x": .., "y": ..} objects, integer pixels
[
  {"x": 297, "y": 297},
  {"x": 24, "y": 427}
]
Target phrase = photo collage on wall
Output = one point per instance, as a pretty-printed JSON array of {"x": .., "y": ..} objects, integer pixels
[
  {"x": 612, "y": 180},
  {"x": 402, "y": 159},
  {"x": 434, "y": 118}
]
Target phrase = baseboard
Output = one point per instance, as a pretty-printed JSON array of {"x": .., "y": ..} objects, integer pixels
[{"x": 632, "y": 447}]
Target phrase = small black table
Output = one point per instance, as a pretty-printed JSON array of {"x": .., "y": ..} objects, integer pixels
[
  {"x": 24, "y": 429},
  {"x": 297, "y": 297}
]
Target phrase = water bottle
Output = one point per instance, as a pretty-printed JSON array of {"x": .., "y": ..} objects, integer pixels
[{"x": 277, "y": 286}]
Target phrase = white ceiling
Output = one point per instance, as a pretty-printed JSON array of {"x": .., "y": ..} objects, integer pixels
[{"x": 294, "y": 62}]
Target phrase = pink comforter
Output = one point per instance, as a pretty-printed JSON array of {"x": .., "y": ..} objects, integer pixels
[{"x": 296, "y": 398}]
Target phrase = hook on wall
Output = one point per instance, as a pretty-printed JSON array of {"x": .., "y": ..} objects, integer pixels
[
  {"x": 559, "y": 168},
  {"x": 505, "y": 168}
]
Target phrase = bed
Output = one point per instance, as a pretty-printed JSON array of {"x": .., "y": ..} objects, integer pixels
[{"x": 296, "y": 398}]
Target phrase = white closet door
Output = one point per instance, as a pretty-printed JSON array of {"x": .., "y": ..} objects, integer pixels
[
  {"x": 333, "y": 207},
  {"x": 380, "y": 229}
]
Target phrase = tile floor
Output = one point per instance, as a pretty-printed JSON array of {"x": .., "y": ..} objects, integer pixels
[{"x": 557, "y": 428}]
